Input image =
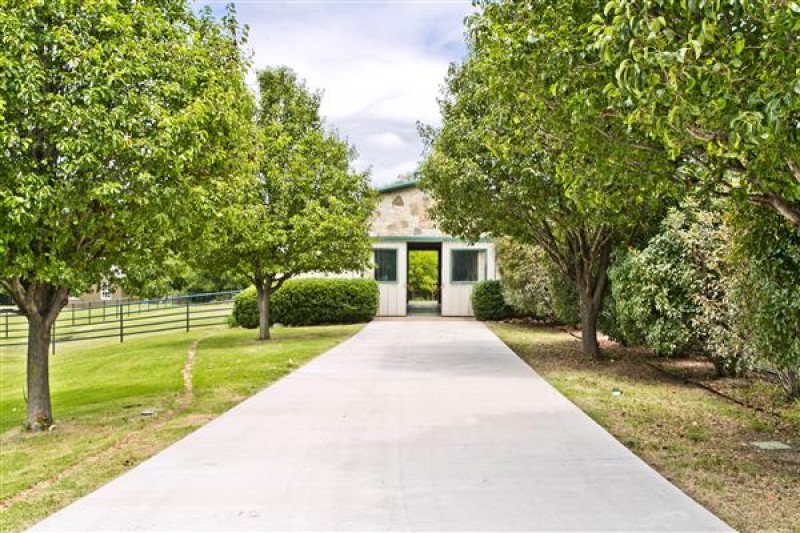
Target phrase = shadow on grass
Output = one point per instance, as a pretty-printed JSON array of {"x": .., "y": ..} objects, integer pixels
[{"x": 546, "y": 348}]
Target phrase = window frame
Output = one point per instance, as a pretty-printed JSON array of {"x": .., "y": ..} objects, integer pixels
[
  {"x": 396, "y": 253},
  {"x": 476, "y": 252}
]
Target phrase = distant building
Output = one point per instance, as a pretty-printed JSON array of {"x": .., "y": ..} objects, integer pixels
[
  {"x": 400, "y": 225},
  {"x": 105, "y": 291}
]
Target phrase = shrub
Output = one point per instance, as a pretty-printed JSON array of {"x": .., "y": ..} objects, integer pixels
[
  {"x": 311, "y": 301},
  {"x": 766, "y": 291},
  {"x": 488, "y": 302},
  {"x": 674, "y": 296},
  {"x": 526, "y": 278},
  {"x": 245, "y": 309},
  {"x": 533, "y": 286},
  {"x": 608, "y": 322},
  {"x": 653, "y": 293},
  {"x": 563, "y": 297}
]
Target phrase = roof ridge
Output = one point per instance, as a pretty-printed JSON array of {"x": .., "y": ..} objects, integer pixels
[{"x": 399, "y": 185}]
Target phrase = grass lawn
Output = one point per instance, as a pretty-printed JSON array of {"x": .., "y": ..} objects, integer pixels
[
  {"x": 696, "y": 439},
  {"x": 100, "y": 391}
]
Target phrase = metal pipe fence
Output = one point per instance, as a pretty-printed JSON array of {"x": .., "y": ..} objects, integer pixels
[{"x": 120, "y": 319}]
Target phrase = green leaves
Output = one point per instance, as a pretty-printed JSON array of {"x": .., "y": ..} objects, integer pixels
[
  {"x": 303, "y": 209},
  {"x": 118, "y": 129},
  {"x": 728, "y": 106},
  {"x": 532, "y": 123}
]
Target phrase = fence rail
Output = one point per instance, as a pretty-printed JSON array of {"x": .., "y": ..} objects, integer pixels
[{"x": 120, "y": 319}]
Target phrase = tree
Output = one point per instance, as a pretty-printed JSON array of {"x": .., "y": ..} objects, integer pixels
[
  {"x": 766, "y": 258},
  {"x": 423, "y": 273},
  {"x": 716, "y": 83},
  {"x": 119, "y": 121},
  {"x": 305, "y": 210},
  {"x": 528, "y": 151},
  {"x": 185, "y": 277}
]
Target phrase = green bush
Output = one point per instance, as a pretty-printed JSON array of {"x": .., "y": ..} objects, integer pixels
[
  {"x": 653, "y": 292},
  {"x": 533, "y": 286},
  {"x": 563, "y": 297},
  {"x": 312, "y": 301},
  {"x": 245, "y": 309},
  {"x": 675, "y": 295},
  {"x": 608, "y": 322},
  {"x": 766, "y": 291},
  {"x": 488, "y": 302},
  {"x": 526, "y": 281}
]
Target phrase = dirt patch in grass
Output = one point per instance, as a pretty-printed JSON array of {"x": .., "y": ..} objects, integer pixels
[{"x": 699, "y": 440}]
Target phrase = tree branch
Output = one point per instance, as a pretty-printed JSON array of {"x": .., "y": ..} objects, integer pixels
[
  {"x": 794, "y": 169},
  {"x": 783, "y": 207}
]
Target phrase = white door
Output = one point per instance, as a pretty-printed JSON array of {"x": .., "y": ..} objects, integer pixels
[{"x": 390, "y": 273}]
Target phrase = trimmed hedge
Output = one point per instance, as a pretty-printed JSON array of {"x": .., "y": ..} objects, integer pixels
[
  {"x": 488, "y": 301},
  {"x": 312, "y": 301},
  {"x": 245, "y": 309}
]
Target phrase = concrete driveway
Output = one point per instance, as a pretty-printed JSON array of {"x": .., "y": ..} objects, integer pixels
[{"x": 409, "y": 425}]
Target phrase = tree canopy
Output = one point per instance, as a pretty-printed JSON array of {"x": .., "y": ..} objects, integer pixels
[
  {"x": 525, "y": 133},
  {"x": 423, "y": 273},
  {"x": 718, "y": 84},
  {"x": 119, "y": 124}
]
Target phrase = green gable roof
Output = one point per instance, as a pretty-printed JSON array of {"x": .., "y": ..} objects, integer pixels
[{"x": 399, "y": 186}]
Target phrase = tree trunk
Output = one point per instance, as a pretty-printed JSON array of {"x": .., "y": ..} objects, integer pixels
[
  {"x": 41, "y": 303},
  {"x": 40, "y": 412},
  {"x": 591, "y": 281},
  {"x": 263, "y": 311},
  {"x": 589, "y": 314},
  {"x": 790, "y": 380}
]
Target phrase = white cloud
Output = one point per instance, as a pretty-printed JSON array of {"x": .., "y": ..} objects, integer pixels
[
  {"x": 380, "y": 65},
  {"x": 388, "y": 139}
]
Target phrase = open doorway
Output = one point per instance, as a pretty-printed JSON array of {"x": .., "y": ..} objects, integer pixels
[{"x": 424, "y": 278}]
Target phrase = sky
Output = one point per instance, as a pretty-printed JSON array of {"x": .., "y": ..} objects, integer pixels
[{"x": 379, "y": 63}]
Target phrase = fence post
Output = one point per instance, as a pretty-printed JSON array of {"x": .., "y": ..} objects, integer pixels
[
  {"x": 72, "y": 309},
  {"x": 90, "y": 312},
  {"x": 187, "y": 313},
  {"x": 6, "y": 324},
  {"x": 53, "y": 337},
  {"x": 121, "y": 326}
]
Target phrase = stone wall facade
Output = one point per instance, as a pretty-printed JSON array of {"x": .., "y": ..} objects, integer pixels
[{"x": 404, "y": 213}]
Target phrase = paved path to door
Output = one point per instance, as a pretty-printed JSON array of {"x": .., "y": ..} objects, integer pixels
[{"x": 409, "y": 425}]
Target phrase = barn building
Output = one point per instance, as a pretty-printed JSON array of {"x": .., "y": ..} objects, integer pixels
[{"x": 400, "y": 226}]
